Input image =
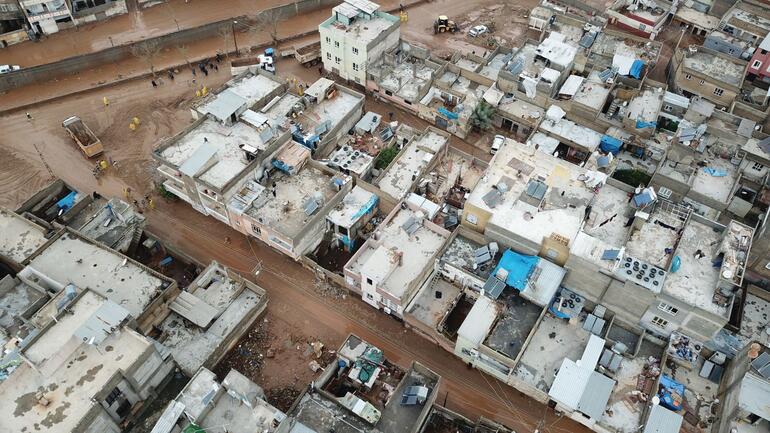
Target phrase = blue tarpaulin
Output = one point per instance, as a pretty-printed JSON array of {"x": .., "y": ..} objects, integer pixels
[
  {"x": 610, "y": 144},
  {"x": 365, "y": 209},
  {"x": 67, "y": 201},
  {"x": 640, "y": 124},
  {"x": 671, "y": 393},
  {"x": 636, "y": 69},
  {"x": 449, "y": 115},
  {"x": 716, "y": 172},
  {"x": 519, "y": 267},
  {"x": 643, "y": 199}
]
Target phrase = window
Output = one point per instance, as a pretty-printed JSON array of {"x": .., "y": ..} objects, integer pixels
[
  {"x": 328, "y": 40},
  {"x": 355, "y": 66},
  {"x": 255, "y": 228},
  {"x": 343, "y": 230},
  {"x": 659, "y": 322},
  {"x": 670, "y": 309},
  {"x": 702, "y": 82},
  {"x": 337, "y": 44},
  {"x": 757, "y": 166},
  {"x": 687, "y": 77},
  {"x": 355, "y": 50},
  {"x": 756, "y": 64},
  {"x": 337, "y": 60},
  {"x": 369, "y": 281},
  {"x": 389, "y": 93},
  {"x": 667, "y": 107},
  {"x": 370, "y": 296},
  {"x": 718, "y": 91},
  {"x": 329, "y": 56},
  {"x": 113, "y": 396}
]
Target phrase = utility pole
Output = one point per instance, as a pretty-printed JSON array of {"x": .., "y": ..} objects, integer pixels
[
  {"x": 235, "y": 41},
  {"x": 42, "y": 159}
]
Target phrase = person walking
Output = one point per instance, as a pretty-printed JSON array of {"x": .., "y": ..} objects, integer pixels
[
  {"x": 154, "y": 84},
  {"x": 29, "y": 116}
]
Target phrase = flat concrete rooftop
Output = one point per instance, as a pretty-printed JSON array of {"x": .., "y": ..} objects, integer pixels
[
  {"x": 405, "y": 79},
  {"x": 418, "y": 250},
  {"x": 572, "y": 132},
  {"x": 514, "y": 325},
  {"x": 592, "y": 92},
  {"x": 352, "y": 207},
  {"x": 715, "y": 67},
  {"x": 16, "y": 298},
  {"x": 431, "y": 310},
  {"x": 553, "y": 340},
  {"x": 19, "y": 237},
  {"x": 696, "y": 280},
  {"x": 609, "y": 215},
  {"x": 646, "y": 106},
  {"x": 72, "y": 259},
  {"x": 230, "y": 158},
  {"x": 365, "y": 30},
  {"x": 564, "y": 201},
  {"x": 608, "y": 45},
  {"x": 410, "y": 163},
  {"x": 253, "y": 88},
  {"x": 286, "y": 211},
  {"x": 70, "y": 373},
  {"x": 716, "y": 187},
  {"x": 650, "y": 241}
]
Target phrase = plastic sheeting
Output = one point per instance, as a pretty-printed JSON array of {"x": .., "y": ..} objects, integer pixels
[
  {"x": 636, "y": 69},
  {"x": 519, "y": 268},
  {"x": 610, "y": 144},
  {"x": 67, "y": 202},
  {"x": 640, "y": 124},
  {"x": 448, "y": 114},
  {"x": 671, "y": 393}
]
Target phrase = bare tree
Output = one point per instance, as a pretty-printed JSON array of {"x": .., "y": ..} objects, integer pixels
[
  {"x": 268, "y": 20},
  {"x": 184, "y": 51},
  {"x": 148, "y": 51}
]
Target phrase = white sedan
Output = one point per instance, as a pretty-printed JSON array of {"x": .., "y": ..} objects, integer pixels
[{"x": 478, "y": 30}]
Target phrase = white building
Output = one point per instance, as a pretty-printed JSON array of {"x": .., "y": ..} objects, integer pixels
[{"x": 356, "y": 35}]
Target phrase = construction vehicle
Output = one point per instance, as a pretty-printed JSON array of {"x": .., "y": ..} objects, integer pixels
[
  {"x": 308, "y": 55},
  {"x": 82, "y": 135},
  {"x": 265, "y": 61},
  {"x": 444, "y": 24}
]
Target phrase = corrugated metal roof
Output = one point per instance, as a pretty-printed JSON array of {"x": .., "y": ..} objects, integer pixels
[
  {"x": 224, "y": 105},
  {"x": 479, "y": 320},
  {"x": 662, "y": 420},
  {"x": 595, "y": 395},
  {"x": 346, "y": 10},
  {"x": 168, "y": 419},
  {"x": 546, "y": 283},
  {"x": 198, "y": 159},
  {"x": 104, "y": 321},
  {"x": 364, "y": 5},
  {"x": 193, "y": 309}
]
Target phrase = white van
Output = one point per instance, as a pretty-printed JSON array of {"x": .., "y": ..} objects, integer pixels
[{"x": 498, "y": 141}]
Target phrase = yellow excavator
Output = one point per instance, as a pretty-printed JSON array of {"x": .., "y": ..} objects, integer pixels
[{"x": 444, "y": 24}]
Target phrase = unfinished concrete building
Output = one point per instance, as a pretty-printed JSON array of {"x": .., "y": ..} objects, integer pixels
[
  {"x": 87, "y": 370},
  {"x": 234, "y": 405},
  {"x": 209, "y": 316},
  {"x": 363, "y": 391}
]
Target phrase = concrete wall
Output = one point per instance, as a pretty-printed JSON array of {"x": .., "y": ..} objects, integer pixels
[
  {"x": 73, "y": 65},
  {"x": 585, "y": 278}
]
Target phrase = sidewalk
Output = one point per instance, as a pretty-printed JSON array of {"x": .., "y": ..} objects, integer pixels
[
  {"x": 132, "y": 67},
  {"x": 152, "y": 22}
]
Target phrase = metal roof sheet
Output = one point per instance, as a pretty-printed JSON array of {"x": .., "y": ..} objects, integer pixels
[
  {"x": 195, "y": 163},
  {"x": 225, "y": 105},
  {"x": 595, "y": 395},
  {"x": 662, "y": 420}
]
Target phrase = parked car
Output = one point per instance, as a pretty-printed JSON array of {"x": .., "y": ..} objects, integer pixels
[
  {"x": 478, "y": 30},
  {"x": 4, "y": 69},
  {"x": 497, "y": 143}
]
